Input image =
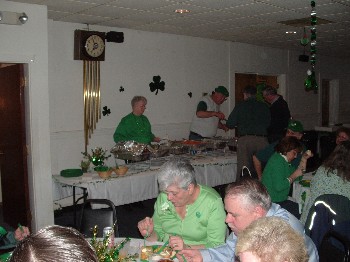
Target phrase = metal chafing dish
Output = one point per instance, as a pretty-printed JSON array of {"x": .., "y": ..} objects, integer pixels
[
  {"x": 216, "y": 143},
  {"x": 131, "y": 150},
  {"x": 158, "y": 150},
  {"x": 178, "y": 148}
]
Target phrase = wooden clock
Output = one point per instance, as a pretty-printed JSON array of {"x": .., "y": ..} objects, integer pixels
[{"x": 89, "y": 45}]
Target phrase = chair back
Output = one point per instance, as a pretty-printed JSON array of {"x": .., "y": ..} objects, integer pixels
[
  {"x": 334, "y": 248},
  {"x": 103, "y": 217},
  {"x": 327, "y": 222}
]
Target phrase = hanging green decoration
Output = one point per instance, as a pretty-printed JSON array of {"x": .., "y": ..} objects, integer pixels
[
  {"x": 310, "y": 81},
  {"x": 304, "y": 40},
  {"x": 157, "y": 85}
]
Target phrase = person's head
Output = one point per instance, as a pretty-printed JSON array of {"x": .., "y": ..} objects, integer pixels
[
  {"x": 138, "y": 104},
  {"x": 249, "y": 91},
  {"x": 339, "y": 160},
  {"x": 269, "y": 93},
  {"x": 342, "y": 134},
  {"x": 245, "y": 201},
  {"x": 56, "y": 244},
  {"x": 290, "y": 147},
  {"x": 270, "y": 239},
  {"x": 220, "y": 95},
  {"x": 177, "y": 179},
  {"x": 295, "y": 128}
]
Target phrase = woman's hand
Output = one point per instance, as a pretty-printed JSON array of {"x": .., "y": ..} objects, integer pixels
[
  {"x": 307, "y": 154},
  {"x": 21, "y": 233},
  {"x": 176, "y": 243},
  {"x": 145, "y": 227}
]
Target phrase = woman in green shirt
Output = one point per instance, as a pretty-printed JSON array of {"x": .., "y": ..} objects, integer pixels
[
  {"x": 279, "y": 173},
  {"x": 186, "y": 214},
  {"x": 135, "y": 126}
]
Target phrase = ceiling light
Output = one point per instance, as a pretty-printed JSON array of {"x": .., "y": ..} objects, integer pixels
[
  {"x": 291, "y": 32},
  {"x": 23, "y": 18},
  {"x": 181, "y": 11}
]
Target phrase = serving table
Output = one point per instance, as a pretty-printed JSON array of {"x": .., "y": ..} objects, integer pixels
[{"x": 212, "y": 168}]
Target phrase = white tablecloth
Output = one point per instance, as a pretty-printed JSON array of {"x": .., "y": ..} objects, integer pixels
[
  {"x": 140, "y": 182},
  {"x": 301, "y": 193}
]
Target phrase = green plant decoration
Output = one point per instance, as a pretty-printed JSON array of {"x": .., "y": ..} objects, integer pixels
[
  {"x": 97, "y": 156},
  {"x": 107, "y": 253},
  {"x": 157, "y": 85}
]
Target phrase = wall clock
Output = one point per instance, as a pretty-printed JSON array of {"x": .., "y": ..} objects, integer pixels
[{"x": 89, "y": 45}]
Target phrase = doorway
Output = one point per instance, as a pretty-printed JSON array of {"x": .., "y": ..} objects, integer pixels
[
  {"x": 242, "y": 80},
  {"x": 13, "y": 152}
]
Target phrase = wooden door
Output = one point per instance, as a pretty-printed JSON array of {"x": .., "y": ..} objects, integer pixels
[{"x": 13, "y": 154}]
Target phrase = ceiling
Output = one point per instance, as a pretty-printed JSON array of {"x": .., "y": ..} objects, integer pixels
[{"x": 255, "y": 22}]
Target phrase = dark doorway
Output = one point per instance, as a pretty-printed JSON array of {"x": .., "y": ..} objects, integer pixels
[
  {"x": 13, "y": 153},
  {"x": 242, "y": 80}
]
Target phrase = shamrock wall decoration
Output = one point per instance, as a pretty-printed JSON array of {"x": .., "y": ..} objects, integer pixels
[
  {"x": 157, "y": 84},
  {"x": 121, "y": 89},
  {"x": 190, "y": 94},
  {"x": 106, "y": 111}
]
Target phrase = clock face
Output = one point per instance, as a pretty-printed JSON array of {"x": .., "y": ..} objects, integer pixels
[{"x": 94, "y": 46}]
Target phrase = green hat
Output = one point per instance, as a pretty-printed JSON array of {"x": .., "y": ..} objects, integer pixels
[
  {"x": 222, "y": 90},
  {"x": 295, "y": 126}
]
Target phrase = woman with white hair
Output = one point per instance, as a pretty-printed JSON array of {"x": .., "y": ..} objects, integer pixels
[{"x": 186, "y": 214}]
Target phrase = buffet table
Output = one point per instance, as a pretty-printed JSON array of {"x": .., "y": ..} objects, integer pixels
[{"x": 212, "y": 168}]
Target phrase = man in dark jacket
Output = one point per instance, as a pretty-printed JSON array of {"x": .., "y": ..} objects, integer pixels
[{"x": 280, "y": 114}]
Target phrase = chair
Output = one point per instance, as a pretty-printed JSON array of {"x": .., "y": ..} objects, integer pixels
[
  {"x": 104, "y": 217},
  {"x": 328, "y": 225},
  {"x": 334, "y": 248}
]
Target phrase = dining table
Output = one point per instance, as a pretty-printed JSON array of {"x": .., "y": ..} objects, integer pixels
[
  {"x": 212, "y": 168},
  {"x": 134, "y": 247},
  {"x": 301, "y": 190}
]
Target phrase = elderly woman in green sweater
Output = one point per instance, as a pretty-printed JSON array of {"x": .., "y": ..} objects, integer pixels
[
  {"x": 186, "y": 214},
  {"x": 279, "y": 174},
  {"x": 135, "y": 126}
]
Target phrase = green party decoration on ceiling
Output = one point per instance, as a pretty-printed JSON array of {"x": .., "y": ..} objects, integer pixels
[
  {"x": 157, "y": 85},
  {"x": 310, "y": 81}
]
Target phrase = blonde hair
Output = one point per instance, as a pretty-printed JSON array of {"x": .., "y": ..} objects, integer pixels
[{"x": 272, "y": 239}]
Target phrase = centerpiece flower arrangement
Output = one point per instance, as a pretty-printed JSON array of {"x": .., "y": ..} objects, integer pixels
[
  {"x": 97, "y": 156},
  {"x": 107, "y": 253}
]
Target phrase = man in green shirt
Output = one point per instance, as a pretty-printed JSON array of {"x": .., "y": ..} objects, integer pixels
[
  {"x": 251, "y": 119},
  {"x": 135, "y": 126}
]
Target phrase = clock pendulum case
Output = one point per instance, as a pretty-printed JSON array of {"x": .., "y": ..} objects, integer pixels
[{"x": 89, "y": 46}]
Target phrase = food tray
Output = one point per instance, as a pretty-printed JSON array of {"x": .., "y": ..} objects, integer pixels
[{"x": 131, "y": 157}]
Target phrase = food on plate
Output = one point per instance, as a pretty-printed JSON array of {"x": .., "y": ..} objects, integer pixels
[
  {"x": 146, "y": 252},
  {"x": 151, "y": 253}
]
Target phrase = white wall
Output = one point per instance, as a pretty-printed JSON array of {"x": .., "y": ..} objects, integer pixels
[
  {"x": 186, "y": 64},
  {"x": 28, "y": 44}
]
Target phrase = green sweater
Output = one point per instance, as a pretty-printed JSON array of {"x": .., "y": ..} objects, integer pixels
[
  {"x": 251, "y": 117},
  {"x": 204, "y": 223},
  {"x": 133, "y": 127},
  {"x": 275, "y": 177}
]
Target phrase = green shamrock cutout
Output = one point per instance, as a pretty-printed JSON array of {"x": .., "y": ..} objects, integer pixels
[
  {"x": 157, "y": 84},
  {"x": 121, "y": 89},
  {"x": 190, "y": 94},
  {"x": 198, "y": 214}
]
